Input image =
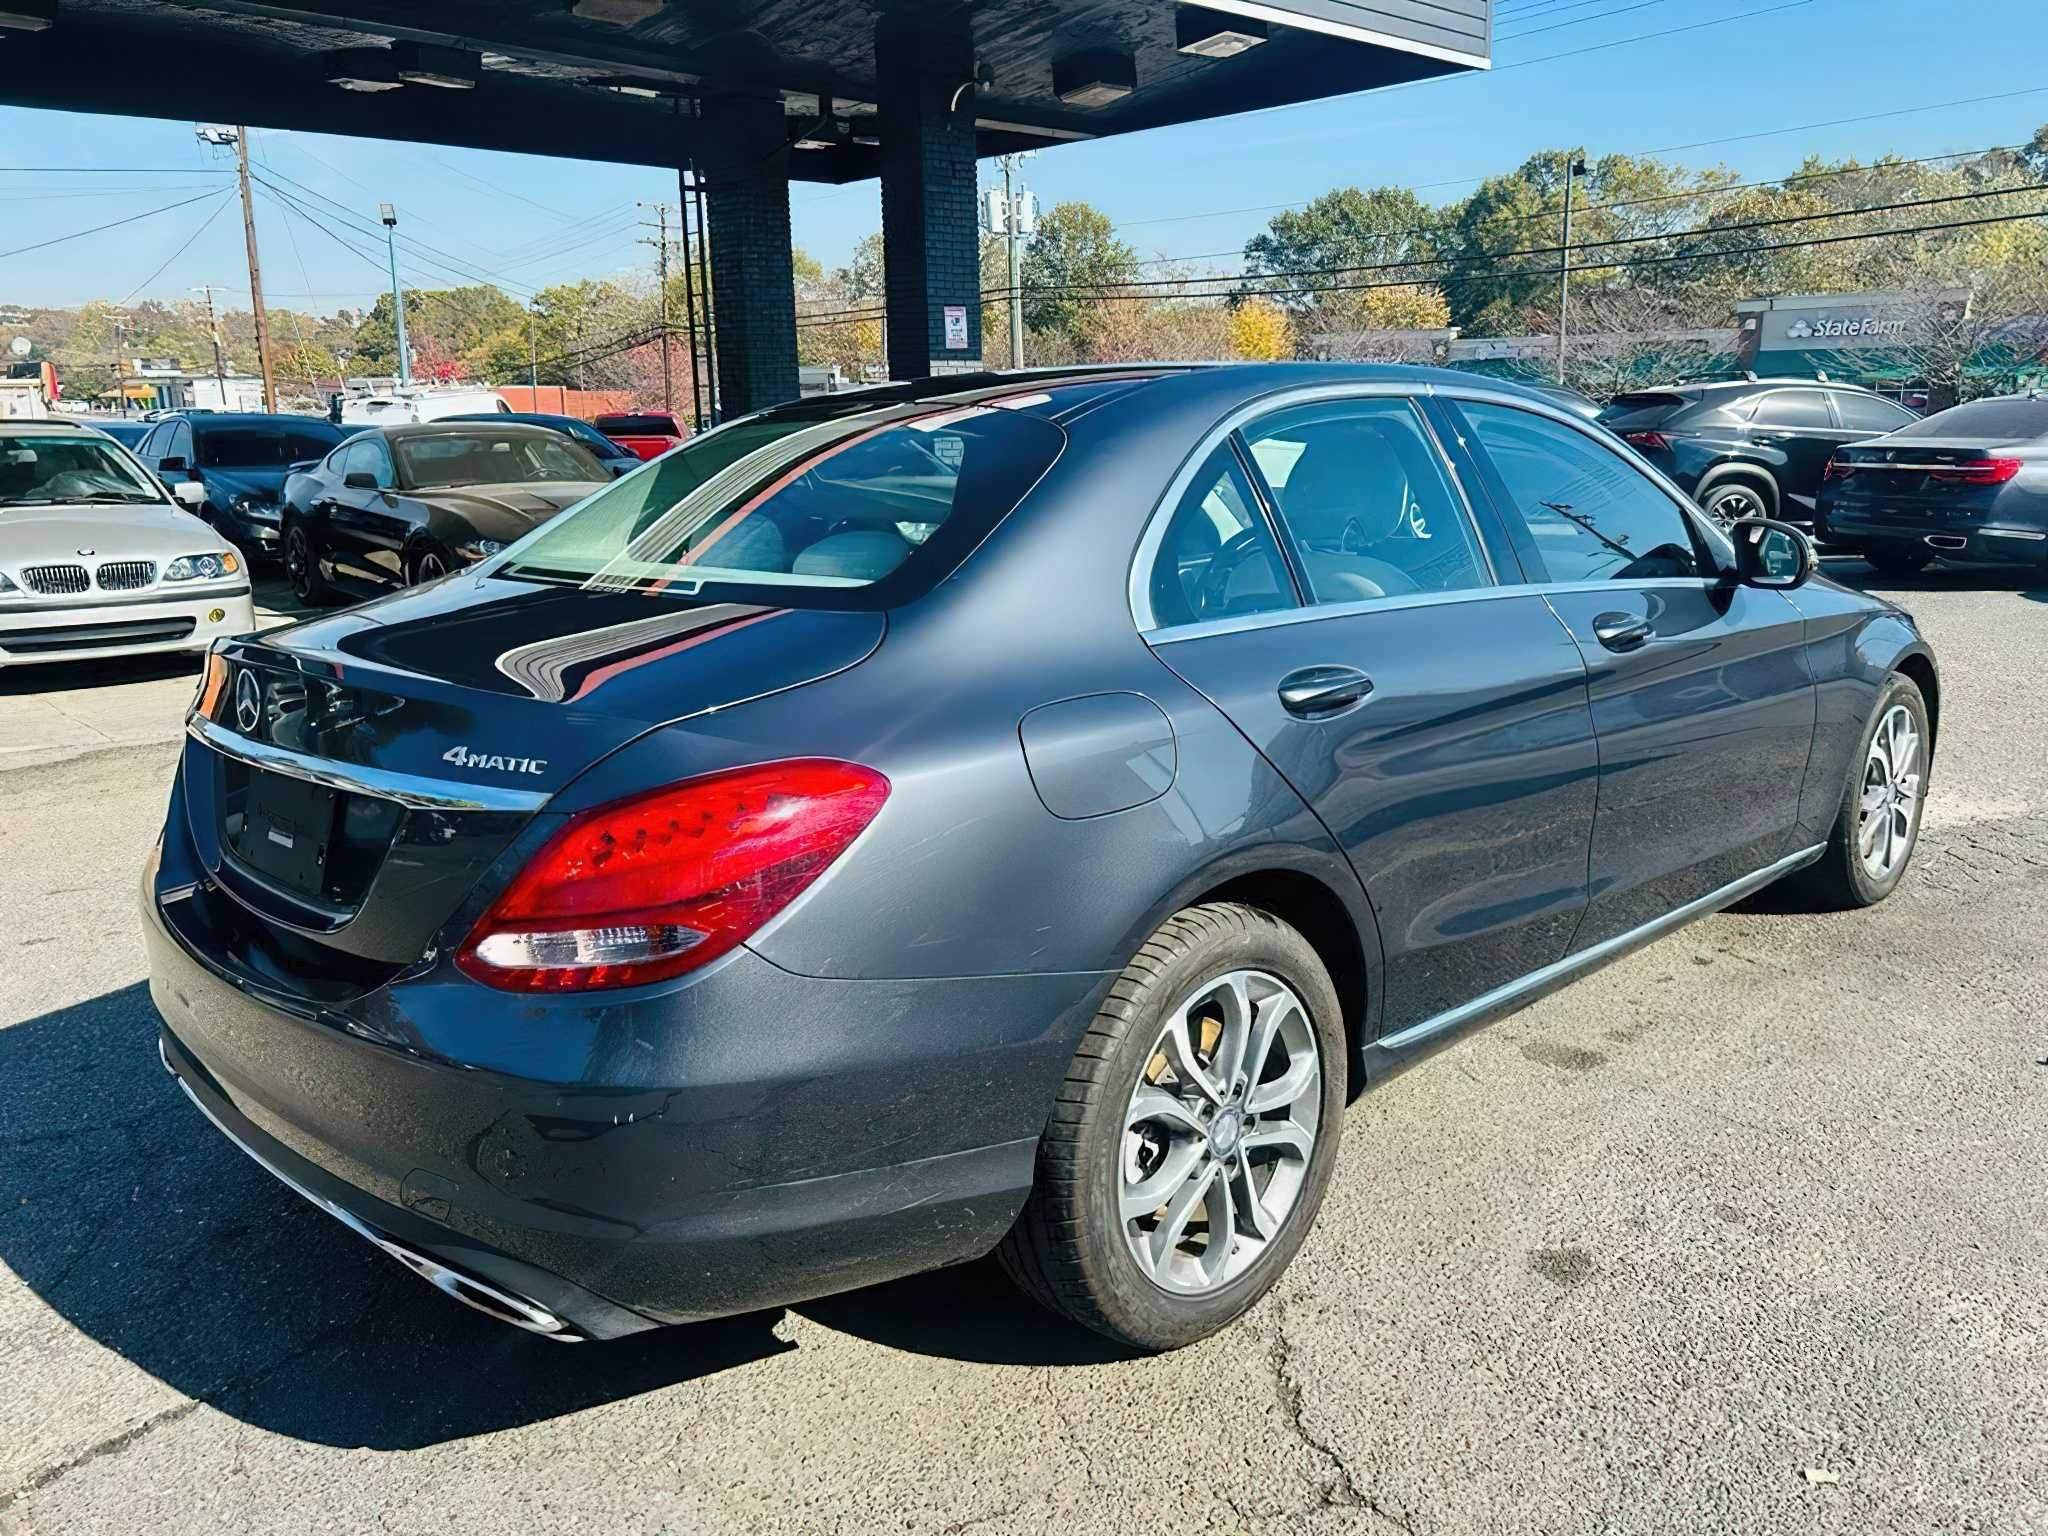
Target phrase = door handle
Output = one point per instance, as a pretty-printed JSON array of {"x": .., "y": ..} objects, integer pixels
[
  {"x": 1313, "y": 692},
  {"x": 1622, "y": 631}
]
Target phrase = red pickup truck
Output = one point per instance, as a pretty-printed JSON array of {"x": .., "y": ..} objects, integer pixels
[{"x": 648, "y": 433}]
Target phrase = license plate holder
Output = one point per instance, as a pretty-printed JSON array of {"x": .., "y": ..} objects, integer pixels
[{"x": 287, "y": 827}]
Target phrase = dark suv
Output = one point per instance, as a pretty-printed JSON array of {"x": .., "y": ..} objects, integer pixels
[
  {"x": 228, "y": 467},
  {"x": 1754, "y": 447}
]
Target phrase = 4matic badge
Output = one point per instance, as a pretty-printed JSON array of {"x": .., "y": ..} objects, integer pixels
[{"x": 462, "y": 757}]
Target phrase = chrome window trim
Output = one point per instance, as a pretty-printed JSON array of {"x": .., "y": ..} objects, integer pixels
[
  {"x": 1313, "y": 612},
  {"x": 414, "y": 791},
  {"x": 1925, "y": 469}
]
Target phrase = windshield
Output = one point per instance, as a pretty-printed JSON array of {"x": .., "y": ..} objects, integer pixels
[
  {"x": 2006, "y": 420},
  {"x": 806, "y": 503},
  {"x": 262, "y": 447},
  {"x": 529, "y": 457},
  {"x": 43, "y": 470}
]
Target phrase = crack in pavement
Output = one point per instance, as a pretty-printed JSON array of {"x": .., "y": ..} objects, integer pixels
[
  {"x": 43, "y": 1477},
  {"x": 1342, "y": 1489}
]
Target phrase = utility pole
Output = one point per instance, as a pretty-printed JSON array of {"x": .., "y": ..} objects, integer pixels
[
  {"x": 1573, "y": 168},
  {"x": 533, "y": 354},
  {"x": 255, "y": 273},
  {"x": 120, "y": 367},
  {"x": 220, "y": 367},
  {"x": 660, "y": 244},
  {"x": 1016, "y": 268},
  {"x": 389, "y": 217}
]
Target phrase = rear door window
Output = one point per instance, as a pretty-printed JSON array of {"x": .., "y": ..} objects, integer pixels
[
  {"x": 1591, "y": 514},
  {"x": 1362, "y": 495},
  {"x": 835, "y": 505},
  {"x": 1643, "y": 408}
]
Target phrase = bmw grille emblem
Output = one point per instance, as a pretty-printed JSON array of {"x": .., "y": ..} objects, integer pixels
[{"x": 248, "y": 703}]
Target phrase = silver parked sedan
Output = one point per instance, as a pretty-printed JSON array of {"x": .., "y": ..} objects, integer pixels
[{"x": 96, "y": 561}]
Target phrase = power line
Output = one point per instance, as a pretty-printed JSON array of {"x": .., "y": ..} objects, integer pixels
[
  {"x": 204, "y": 225},
  {"x": 1639, "y": 154},
  {"x": 1579, "y": 21},
  {"x": 421, "y": 251},
  {"x": 80, "y": 234},
  {"x": 113, "y": 170},
  {"x": 1453, "y": 259}
]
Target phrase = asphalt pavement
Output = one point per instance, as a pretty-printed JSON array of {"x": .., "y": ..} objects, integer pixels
[{"x": 1745, "y": 1233}]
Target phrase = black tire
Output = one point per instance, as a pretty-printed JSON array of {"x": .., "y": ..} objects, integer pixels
[
  {"x": 1898, "y": 559},
  {"x": 302, "y": 567},
  {"x": 429, "y": 562},
  {"x": 1840, "y": 881},
  {"x": 1068, "y": 1248},
  {"x": 1729, "y": 501}
]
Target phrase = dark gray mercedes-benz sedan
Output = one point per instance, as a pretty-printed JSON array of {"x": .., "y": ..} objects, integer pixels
[{"x": 1002, "y": 812}]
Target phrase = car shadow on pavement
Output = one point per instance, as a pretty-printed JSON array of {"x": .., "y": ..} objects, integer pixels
[
  {"x": 148, "y": 1232},
  {"x": 971, "y": 1312}
]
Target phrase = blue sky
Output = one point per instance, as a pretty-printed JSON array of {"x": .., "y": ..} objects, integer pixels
[{"x": 1194, "y": 191}]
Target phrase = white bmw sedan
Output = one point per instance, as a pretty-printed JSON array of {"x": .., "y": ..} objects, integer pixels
[{"x": 96, "y": 560}]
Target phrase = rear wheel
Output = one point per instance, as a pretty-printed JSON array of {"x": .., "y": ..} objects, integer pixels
[
  {"x": 1194, "y": 1136},
  {"x": 1732, "y": 500},
  {"x": 1878, "y": 823},
  {"x": 1898, "y": 559},
  {"x": 302, "y": 567}
]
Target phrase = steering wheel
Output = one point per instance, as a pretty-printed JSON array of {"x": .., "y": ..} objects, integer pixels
[{"x": 1212, "y": 593}]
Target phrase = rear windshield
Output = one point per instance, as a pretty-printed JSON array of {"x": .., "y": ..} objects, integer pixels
[
  {"x": 832, "y": 508},
  {"x": 638, "y": 426},
  {"x": 263, "y": 447},
  {"x": 1645, "y": 408},
  {"x": 2012, "y": 419},
  {"x": 484, "y": 457}
]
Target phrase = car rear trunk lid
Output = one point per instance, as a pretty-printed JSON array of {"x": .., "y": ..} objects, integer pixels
[
  {"x": 1921, "y": 485},
  {"x": 353, "y": 777}
]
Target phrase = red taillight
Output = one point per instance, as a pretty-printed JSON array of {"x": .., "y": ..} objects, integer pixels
[
  {"x": 650, "y": 887},
  {"x": 1978, "y": 471},
  {"x": 1837, "y": 470},
  {"x": 1656, "y": 442}
]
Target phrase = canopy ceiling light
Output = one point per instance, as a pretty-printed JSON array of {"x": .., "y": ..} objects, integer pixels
[
  {"x": 449, "y": 69},
  {"x": 1213, "y": 34},
  {"x": 28, "y": 15},
  {"x": 1094, "y": 77},
  {"x": 363, "y": 69}
]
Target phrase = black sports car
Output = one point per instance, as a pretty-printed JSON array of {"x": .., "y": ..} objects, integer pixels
[{"x": 396, "y": 506}]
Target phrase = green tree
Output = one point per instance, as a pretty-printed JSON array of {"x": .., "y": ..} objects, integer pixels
[
  {"x": 1341, "y": 231},
  {"x": 1075, "y": 248}
]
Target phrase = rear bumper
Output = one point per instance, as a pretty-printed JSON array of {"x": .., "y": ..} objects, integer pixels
[
  {"x": 44, "y": 630},
  {"x": 828, "y": 1135},
  {"x": 1975, "y": 542}
]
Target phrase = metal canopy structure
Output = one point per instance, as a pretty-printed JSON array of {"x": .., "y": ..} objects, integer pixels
[{"x": 752, "y": 95}]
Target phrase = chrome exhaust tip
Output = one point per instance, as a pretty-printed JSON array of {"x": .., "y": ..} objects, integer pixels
[{"x": 1947, "y": 541}]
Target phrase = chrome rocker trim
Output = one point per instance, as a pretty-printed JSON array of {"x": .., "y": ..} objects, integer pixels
[
  {"x": 1504, "y": 997},
  {"x": 408, "y": 789}
]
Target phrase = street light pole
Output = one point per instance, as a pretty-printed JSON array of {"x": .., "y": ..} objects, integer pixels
[
  {"x": 1573, "y": 168},
  {"x": 389, "y": 216},
  {"x": 1016, "y": 295}
]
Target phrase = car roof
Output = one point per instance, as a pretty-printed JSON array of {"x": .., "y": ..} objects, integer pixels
[
  {"x": 448, "y": 425},
  {"x": 43, "y": 426},
  {"x": 246, "y": 418}
]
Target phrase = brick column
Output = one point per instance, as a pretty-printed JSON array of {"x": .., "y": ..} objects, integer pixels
[
  {"x": 753, "y": 285},
  {"x": 930, "y": 241}
]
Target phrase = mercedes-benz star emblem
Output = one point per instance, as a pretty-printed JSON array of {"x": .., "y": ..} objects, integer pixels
[{"x": 248, "y": 703}]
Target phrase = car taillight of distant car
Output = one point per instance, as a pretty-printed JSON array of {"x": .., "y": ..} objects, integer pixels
[{"x": 1655, "y": 441}]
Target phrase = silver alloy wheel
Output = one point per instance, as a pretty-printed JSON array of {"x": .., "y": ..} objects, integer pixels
[
  {"x": 1219, "y": 1131},
  {"x": 1889, "y": 816},
  {"x": 1734, "y": 503}
]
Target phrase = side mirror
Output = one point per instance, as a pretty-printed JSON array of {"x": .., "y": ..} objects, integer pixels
[
  {"x": 189, "y": 493},
  {"x": 170, "y": 466},
  {"x": 1772, "y": 554},
  {"x": 359, "y": 480}
]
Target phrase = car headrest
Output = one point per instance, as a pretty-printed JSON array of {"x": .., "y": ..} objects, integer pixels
[{"x": 1349, "y": 473}]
